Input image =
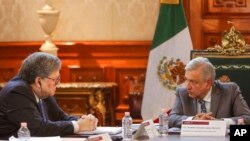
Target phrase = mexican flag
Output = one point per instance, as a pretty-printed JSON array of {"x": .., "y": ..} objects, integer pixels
[{"x": 167, "y": 58}]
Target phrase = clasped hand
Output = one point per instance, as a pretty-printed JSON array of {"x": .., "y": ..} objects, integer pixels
[
  {"x": 87, "y": 123},
  {"x": 204, "y": 116}
]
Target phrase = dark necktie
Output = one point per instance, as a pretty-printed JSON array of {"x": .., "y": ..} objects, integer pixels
[
  {"x": 41, "y": 107},
  {"x": 203, "y": 107}
]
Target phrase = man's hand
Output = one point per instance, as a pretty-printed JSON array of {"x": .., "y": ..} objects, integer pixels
[
  {"x": 87, "y": 123},
  {"x": 204, "y": 116}
]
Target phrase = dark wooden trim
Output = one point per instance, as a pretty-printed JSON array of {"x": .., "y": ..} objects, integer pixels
[{"x": 78, "y": 49}]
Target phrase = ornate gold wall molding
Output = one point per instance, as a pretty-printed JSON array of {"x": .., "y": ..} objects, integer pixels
[
  {"x": 230, "y": 3},
  {"x": 226, "y": 8}
]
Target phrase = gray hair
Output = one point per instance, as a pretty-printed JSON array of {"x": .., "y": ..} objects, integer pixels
[
  {"x": 38, "y": 64},
  {"x": 207, "y": 69}
]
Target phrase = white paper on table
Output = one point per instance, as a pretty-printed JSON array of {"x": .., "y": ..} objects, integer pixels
[
  {"x": 147, "y": 126},
  {"x": 103, "y": 130},
  {"x": 56, "y": 138},
  {"x": 140, "y": 131}
]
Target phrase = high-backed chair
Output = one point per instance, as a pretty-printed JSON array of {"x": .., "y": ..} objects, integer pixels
[
  {"x": 231, "y": 60},
  {"x": 230, "y": 68}
]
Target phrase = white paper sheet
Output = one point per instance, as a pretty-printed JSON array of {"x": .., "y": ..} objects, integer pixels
[
  {"x": 103, "y": 130},
  {"x": 56, "y": 138}
]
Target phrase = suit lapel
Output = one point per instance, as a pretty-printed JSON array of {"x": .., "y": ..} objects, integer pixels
[{"x": 215, "y": 100}]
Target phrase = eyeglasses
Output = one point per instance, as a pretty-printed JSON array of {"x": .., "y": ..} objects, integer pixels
[{"x": 56, "y": 80}]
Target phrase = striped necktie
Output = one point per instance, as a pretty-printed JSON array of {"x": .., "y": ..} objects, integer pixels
[{"x": 203, "y": 107}]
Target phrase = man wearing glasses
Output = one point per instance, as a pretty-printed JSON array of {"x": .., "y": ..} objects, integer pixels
[{"x": 28, "y": 97}]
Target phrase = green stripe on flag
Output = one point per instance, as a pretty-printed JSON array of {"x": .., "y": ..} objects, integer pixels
[{"x": 171, "y": 21}]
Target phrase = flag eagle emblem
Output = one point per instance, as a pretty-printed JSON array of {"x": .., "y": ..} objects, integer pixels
[{"x": 171, "y": 72}]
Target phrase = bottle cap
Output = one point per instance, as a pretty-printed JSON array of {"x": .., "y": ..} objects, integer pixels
[
  {"x": 24, "y": 124},
  {"x": 241, "y": 121},
  {"x": 163, "y": 110},
  {"x": 127, "y": 113}
]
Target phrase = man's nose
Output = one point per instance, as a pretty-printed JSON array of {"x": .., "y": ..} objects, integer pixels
[{"x": 188, "y": 86}]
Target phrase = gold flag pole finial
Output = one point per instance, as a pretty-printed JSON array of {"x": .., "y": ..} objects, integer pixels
[{"x": 170, "y": 1}]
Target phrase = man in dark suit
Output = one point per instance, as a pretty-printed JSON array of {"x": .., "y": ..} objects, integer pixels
[
  {"x": 203, "y": 98},
  {"x": 28, "y": 97}
]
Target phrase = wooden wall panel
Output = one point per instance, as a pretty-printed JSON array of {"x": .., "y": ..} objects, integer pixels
[
  {"x": 6, "y": 74},
  {"x": 226, "y": 8},
  {"x": 209, "y": 20},
  {"x": 87, "y": 75},
  {"x": 86, "y": 62},
  {"x": 124, "y": 77}
]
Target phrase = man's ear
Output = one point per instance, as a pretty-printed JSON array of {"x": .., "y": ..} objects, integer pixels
[
  {"x": 209, "y": 83},
  {"x": 38, "y": 81}
]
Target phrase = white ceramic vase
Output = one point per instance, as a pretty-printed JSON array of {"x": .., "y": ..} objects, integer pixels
[{"x": 48, "y": 18}]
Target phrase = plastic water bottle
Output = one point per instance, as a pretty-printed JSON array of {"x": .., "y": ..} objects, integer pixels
[
  {"x": 23, "y": 133},
  {"x": 240, "y": 121},
  {"x": 163, "y": 122},
  {"x": 126, "y": 127}
]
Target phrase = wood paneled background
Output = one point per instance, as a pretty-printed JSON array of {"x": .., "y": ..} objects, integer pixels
[
  {"x": 208, "y": 19},
  {"x": 87, "y": 62},
  {"x": 117, "y": 61}
]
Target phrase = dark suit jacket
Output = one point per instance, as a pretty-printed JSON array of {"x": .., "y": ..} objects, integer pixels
[
  {"x": 18, "y": 104},
  {"x": 226, "y": 102}
]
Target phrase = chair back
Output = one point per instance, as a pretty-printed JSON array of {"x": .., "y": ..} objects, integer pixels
[{"x": 234, "y": 68}]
